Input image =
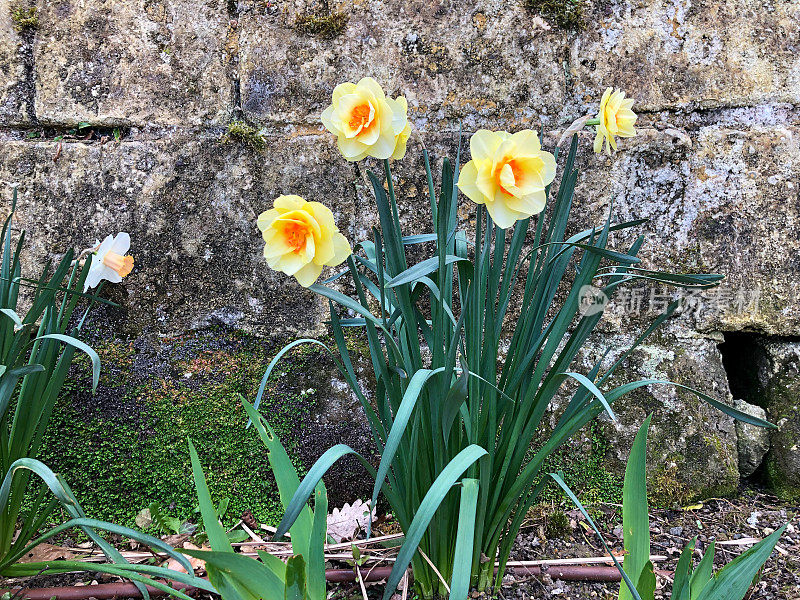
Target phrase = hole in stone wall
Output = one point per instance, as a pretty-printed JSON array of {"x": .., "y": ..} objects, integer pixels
[{"x": 742, "y": 358}]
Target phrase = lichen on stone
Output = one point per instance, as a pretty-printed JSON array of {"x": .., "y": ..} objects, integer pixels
[
  {"x": 566, "y": 14},
  {"x": 24, "y": 17},
  {"x": 325, "y": 26}
]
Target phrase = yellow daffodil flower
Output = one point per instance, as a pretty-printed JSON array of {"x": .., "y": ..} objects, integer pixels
[
  {"x": 366, "y": 122},
  {"x": 615, "y": 119},
  {"x": 508, "y": 173},
  {"x": 301, "y": 237}
]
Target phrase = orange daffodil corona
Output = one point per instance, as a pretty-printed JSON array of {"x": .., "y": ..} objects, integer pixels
[
  {"x": 614, "y": 119},
  {"x": 301, "y": 237},
  {"x": 508, "y": 173},
  {"x": 366, "y": 122}
]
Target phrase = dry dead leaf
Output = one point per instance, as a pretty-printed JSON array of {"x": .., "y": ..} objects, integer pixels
[
  {"x": 197, "y": 564},
  {"x": 45, "y": 552},
  {"x": 345, "y": 523}
]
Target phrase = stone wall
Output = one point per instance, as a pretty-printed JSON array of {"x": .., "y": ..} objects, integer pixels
[{"x": 113, "y": 116}]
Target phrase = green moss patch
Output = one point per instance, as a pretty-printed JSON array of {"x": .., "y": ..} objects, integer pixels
[
  {"x": 241, "y": 132},
  {"x": 126, "y": 446},
  {"x": 24, "y": 18},
  {"x": 325, "y": 26},
  {"x": 566, "y": 14},
  {"x": 584, "y": 470}
]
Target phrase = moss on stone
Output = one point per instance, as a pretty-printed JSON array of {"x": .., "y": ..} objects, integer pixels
[
  {"x": 24, "y": 17},
  {"x": 585, "y": 472},
  {"x": 325, "y": 26},
  {"x": 127, "y": 446},
  {"x": 566, "y": 14},
  {"x": 240, "y": 131}
]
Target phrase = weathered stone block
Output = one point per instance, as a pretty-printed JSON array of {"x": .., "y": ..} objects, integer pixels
[
  {"x": 191, "y": 206},
  {"x": 780, "y": 382},
  {"x": 134, "y": 63},
  {"x": 488, "y": 64},
  {"x": 12, "y": 69},
  {"x": 722, "y": 198},
  {"x": 702, "y": 54},
  {"x": 692, "y": 447},
  {"x": 752, "y": 442}
]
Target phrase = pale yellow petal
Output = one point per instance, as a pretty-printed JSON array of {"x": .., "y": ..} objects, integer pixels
[
  {"x": 529, "y": 204},
  {"x": 266, "y": 218},
  {"x": 325, "y": 117},
  {"x": 288, "y": 263},
  {"x": 401, "y": 142},
  {"x": 598, "y": 142},
  {"x": 308, "y": 274},
  {"x": 290, "y": 202},
  {"x": 484, "y": 143},
  {"x": 368, "y": 83},
  {"x": 507, "y": 180},
  {"x": 503, "y": 216},
  {"x": 467, "y": 183},
  {"x": 383, "y": 146},
  {"x": 399, "y": 114},
  {"x": 526, "y": 142},
  {"x": 485, "y": 180},
  {"x": 351, "y": 149},
  {"x": 341, "y": 90},
  {"x": 341, "y": 250}
]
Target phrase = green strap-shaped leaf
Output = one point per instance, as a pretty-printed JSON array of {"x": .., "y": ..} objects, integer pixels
[
  {"x": 298, "y": 502},
  {"x": 635, "y": 515},
  {"x": 8, "y": 383},
  {"x": 287, "y": 479},
  {"x": 421, "y": 269},
  {"x": 295, "y": 579},
  {"x": 262, "y": 386},
  {"x": 646, "y": 585},
  {"x": 735, "y": 578},
  {"x": 591, "y": 387},
  {"x": 430, "y": 503},
  {"x": 216, "y": 533},
  {"x": 455, "y": 398},
  {"x": 728, "y": 410},
  {"x": 680, "y": 585},
  {"x": 244, "y": 576},
  {"x": 12, "y": 315},
  {"x": 407, "y": 405},
  {"x": 462, "y": 567},
  {"x": 315, "y": 561},
  {"x": 68, "y": 339},
  {"x": 703, "y": 573},
  {"x": 142, "y": 538},
  {"x": 136, "y": 573}
]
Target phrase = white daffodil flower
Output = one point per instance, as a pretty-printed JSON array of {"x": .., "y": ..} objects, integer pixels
[{"x": 109, "y": 261}]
